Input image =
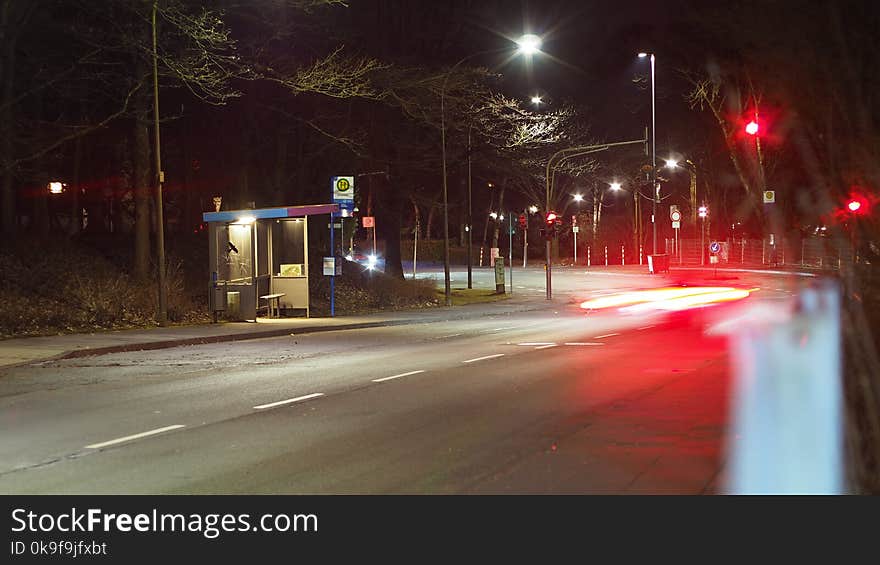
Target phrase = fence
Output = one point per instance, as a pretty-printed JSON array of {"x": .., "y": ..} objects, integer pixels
[{"x": 816, "y": 252}]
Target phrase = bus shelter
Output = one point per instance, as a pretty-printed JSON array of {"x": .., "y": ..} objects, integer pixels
[{"x": 259, "y": 258}]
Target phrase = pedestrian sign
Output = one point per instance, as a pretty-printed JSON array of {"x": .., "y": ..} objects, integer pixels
[{"x": 714, "y": 247}]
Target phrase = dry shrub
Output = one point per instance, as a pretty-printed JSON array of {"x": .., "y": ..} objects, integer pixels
[{"x": 67, "y": 288}]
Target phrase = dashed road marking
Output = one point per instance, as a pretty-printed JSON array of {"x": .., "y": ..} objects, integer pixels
[
  {"x": 484, "y": 358},
  {"x": 547, "y": 346},
  {"x": 534, "y": 343},
  {"x": 583, "y": 343},
  {"x": 135, "y": 436},
  {"x": 383, "y": 379},
  {"x": 288, "y": 401},
  {"x": 605, "y": 335}
]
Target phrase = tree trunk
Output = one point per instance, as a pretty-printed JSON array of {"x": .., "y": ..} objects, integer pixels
[
  {"x": 141, "y": 188},
  {"x": 7, "y": 78},
  {"x": 391, "y": 213}
]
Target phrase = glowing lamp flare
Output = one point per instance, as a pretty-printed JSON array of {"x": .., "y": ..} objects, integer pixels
[
  {"x": 752, "y": 128},
  {"x": 854, "y": 205},
  {"x": 529, "y": 44}
]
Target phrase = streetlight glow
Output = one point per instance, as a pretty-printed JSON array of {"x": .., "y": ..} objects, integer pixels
[
  {"x": 56, "y": 187},
  {"x": 529, "y": 44},
  {"x": 671, "y": 163},
  {"x": 536, "y": 100},
  {"x": 493, "y": 215},
  {"x": 615, "y": 186},
  {"x": 578, "y": 197},
  {"x": 533, "y": 209}
]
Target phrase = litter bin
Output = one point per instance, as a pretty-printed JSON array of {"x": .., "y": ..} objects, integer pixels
[
  {"x": 233, "y": 306},
  {"x": 658, "y": 263}
]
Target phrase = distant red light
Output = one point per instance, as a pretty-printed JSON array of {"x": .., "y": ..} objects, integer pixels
[
  {"x": 551, "y": 217},
  {"x": 752, "y": 128},
  {"x": 854, "y": 205}
]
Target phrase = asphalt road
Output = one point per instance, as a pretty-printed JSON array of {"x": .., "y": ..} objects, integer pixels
[{"x": 549, "y": 399}]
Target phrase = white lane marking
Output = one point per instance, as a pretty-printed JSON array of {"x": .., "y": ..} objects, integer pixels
[
  {"x": 532, "y": 343},
  {"x": 645, "y": 327},
  {"x": 383, "y": 379},
  {"x": 584, "y": 343},
  {"x": 484, "y": 358},
  {"x": 606, "y": 335},
  {"x": 288, "y": 401},
  {"x": 547, "y": 346},
  {"x": 135, "y": 436},
  {"x": 451, "y": 335}
]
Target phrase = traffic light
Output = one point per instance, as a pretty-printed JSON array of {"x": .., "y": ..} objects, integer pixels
[
  {"x": 523, "y": 223},
  {"x": 854, "y": 206},
  {"x": 550, "y": 223},
  {"x": 752, "y": 127}
]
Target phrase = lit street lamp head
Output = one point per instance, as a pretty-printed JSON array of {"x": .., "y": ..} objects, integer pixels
[
  {"x": 615, "y": 186},
  {"x": 671, "y": 163},
  {"x": 536, "y": 100},
  {"x": 642, "y": 55},
  {"x": 578, "y": 197},
  {"x": 529, "y": 44}
]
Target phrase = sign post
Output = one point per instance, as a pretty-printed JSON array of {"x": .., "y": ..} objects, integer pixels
[
  {"x": 675, "y": 215},
  {"x": 342, "y": 191},
  {"x": 714, "y": 248}
]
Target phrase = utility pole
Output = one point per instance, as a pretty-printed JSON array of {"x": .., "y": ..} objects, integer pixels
[{"x": 162, "y": 317}]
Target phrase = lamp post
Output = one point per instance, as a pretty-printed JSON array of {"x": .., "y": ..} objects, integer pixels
[
  {"x": 529, "y": 44},
  {"x": 656, "y": 198}
]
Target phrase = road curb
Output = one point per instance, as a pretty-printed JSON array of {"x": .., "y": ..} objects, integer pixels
[{"x": 279, "y": 332}]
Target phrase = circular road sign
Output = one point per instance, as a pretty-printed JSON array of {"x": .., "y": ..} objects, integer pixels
[
  {"x": 714, "y": 247},
  {"x": 676, "y": 216},
  {"x": 342, "y": 185}
]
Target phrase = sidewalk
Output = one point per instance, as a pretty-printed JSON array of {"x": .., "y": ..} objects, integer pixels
[{"x": 25, "y": 350}]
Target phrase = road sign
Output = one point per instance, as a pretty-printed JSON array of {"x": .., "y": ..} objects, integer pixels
[
  {"x": 676, "y": 225},
  {"x": 769, "y": 196},
  {"x": 343, "y": 192},
  {"x": 575, "y": 229},
  {"x": 676, "y": 216},
  {"x": 369, "y": 221},
  {"x": 714, "y": 247}
]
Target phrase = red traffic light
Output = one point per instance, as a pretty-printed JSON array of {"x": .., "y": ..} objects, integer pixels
[
  {"x": 551, "y": 217},
  {"x": 854, "y": 205},
  {"x": 522, "y": 221},
  {"x": 752, "y": 128}
]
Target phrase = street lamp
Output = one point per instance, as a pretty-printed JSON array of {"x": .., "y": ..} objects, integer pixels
[
  {"x": 529, "y": 44},
  {"x": 656, "y": 198},
  {"x": 615, "y": 186},
  {"x": 536, "y": 100}
]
